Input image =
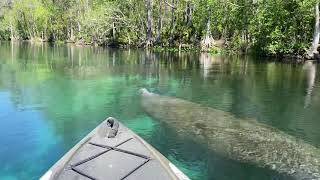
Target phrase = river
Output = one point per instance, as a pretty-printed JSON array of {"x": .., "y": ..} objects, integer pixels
[{"x": 53, "y": 95}]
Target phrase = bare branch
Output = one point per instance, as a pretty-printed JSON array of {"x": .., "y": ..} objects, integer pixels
[{"x": 172, "y": 6}]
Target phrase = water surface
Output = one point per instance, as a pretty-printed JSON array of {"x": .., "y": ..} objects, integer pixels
[{"x": 51, "y": 96}]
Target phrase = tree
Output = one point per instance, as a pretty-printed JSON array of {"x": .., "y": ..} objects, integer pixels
[
  {"x": 314, "y": 47},
  {"x": 149, "y": 23},
  {"x": 267, "y": 27}
]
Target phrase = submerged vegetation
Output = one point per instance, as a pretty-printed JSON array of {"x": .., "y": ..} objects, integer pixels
[{"x": 268, "y": 27}]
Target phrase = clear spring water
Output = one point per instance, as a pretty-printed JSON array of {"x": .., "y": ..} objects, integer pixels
[{"x": 51, "y": 96}]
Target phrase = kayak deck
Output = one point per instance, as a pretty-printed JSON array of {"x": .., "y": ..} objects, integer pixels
[{"x": 126, "y": 156}]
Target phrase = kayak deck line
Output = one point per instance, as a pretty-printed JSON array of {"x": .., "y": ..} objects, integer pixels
[
  {"x": 124, "y": 156},
  {"x": 96, "y": 155},
  {"x": 120, "y": 150},
  {"x": 109, "y": 148}
]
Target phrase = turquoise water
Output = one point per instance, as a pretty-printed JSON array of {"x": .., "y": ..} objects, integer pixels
[{"x": 51, "y": 96}]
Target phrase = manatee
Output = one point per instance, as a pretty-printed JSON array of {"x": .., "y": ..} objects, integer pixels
[{"x": 242, "y": 140}]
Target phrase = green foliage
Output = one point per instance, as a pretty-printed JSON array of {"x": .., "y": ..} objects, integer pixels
[
  {"x": 282, "y": 27},
  {"x": 274, "y": 27},
  {"x": 216, "y": 50}
]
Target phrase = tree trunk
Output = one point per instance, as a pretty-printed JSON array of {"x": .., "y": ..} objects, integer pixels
[
  {"x": 79, "y": 28},
  {"x": 172, "y": 23},
  {"x": 149, "y": 23},
  {"x": 79, "y": 25},
  {"x": 71, "y": 32},
  {"x": 158, "y": 39},
  {"x": 313, "y": 49},
  {"x": 87, "y": 5},
  {"x": 11, "y": 32},
  {"x": 188, "y": 14},
  {"x": 35, "y": 30},
  {"x": 129, "y": 39},
  {"x": 208, "y": 41},
  {"x": 45, "y": 34},
  {"x": 113, "y": 31}
]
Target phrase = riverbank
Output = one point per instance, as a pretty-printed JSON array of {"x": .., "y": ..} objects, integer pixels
[{"x": 214, "y": 50}]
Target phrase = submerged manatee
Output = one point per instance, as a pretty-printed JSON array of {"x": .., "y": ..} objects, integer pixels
[{"x": 247, "y": 141}]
